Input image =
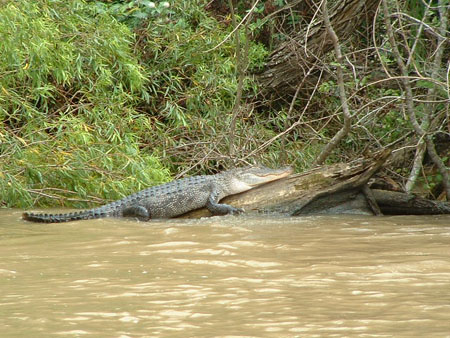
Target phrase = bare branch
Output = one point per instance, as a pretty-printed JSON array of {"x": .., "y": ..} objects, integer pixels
[
  {"x": 340, "y": 82},
  {"x": 247, "y": 16},
  {"x": 409, "y": 103}
]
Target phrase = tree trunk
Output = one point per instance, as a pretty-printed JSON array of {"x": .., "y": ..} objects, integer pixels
[{"x": 297, "y": 57}]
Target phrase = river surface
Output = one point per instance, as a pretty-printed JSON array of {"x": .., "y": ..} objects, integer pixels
[{"x": 231, "y": 276}]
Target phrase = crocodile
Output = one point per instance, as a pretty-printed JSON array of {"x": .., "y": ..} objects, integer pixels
[{"x": 177, "y": 197}]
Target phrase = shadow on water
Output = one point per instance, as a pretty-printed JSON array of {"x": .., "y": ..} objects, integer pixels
[{"x": 246, "y": 276}]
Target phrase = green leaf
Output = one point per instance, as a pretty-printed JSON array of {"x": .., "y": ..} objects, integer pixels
[{"x": 425, "y": 84}]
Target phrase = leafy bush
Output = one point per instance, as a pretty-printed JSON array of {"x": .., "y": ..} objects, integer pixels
[
  {"x": 69, "y": 84},
  {"x": 99, "y": 99}
]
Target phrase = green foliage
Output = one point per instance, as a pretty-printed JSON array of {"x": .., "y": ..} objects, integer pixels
[
  {"x": 45, "y": 172},
  {"x": 392, "y": 126},
  {"x": 185, "y": 80},
  {"x": 93, "y": 93},
  {"x": 49, "y": 45},
  {"x": 135, "y": 11},
  {"x": 327, "y": 87},
  {"x": 191, "y": 68},
  {"x": 69, "y": 84},
  {"x": 257, "y": 55}
]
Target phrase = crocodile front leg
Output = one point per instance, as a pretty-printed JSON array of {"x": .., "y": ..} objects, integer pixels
[{"x": 217, "y": 208}]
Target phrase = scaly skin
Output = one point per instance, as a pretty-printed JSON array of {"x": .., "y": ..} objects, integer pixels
[{"x": 177, "y": 197}]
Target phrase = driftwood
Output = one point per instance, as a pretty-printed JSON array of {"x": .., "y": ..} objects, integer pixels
[
  {"x": 335, "y": 189},
  {"x": 397, "y": 203}
]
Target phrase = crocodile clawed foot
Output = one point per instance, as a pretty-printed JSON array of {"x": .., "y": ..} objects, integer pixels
[{"x": 237, "y": 211}]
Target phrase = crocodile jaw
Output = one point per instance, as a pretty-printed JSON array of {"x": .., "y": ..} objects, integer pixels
[
  {"x": 250, "y": 180},
  {"x": 238, "y": 186}
]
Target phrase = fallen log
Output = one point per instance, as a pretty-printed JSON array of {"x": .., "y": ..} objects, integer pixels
[
  {"x": 334, "y": 189},
  {"x": 398, "y": 203}
]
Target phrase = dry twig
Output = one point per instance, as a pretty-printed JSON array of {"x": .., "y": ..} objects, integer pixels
[
  {"x": 421, "y": 130},
  {"x": 340, "y": 82}
]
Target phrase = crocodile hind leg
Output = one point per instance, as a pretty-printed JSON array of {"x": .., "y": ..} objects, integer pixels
[{"x": 136, "y": 211}]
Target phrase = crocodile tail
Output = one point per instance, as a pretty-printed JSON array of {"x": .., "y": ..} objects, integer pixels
[{"x": 59, "y": 218}]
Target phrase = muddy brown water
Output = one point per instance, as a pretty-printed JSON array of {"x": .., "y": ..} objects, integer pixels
[{"x": 232, "y": 276}]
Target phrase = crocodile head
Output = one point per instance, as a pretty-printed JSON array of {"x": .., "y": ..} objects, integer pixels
[{"x": 243, "y": 179}]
